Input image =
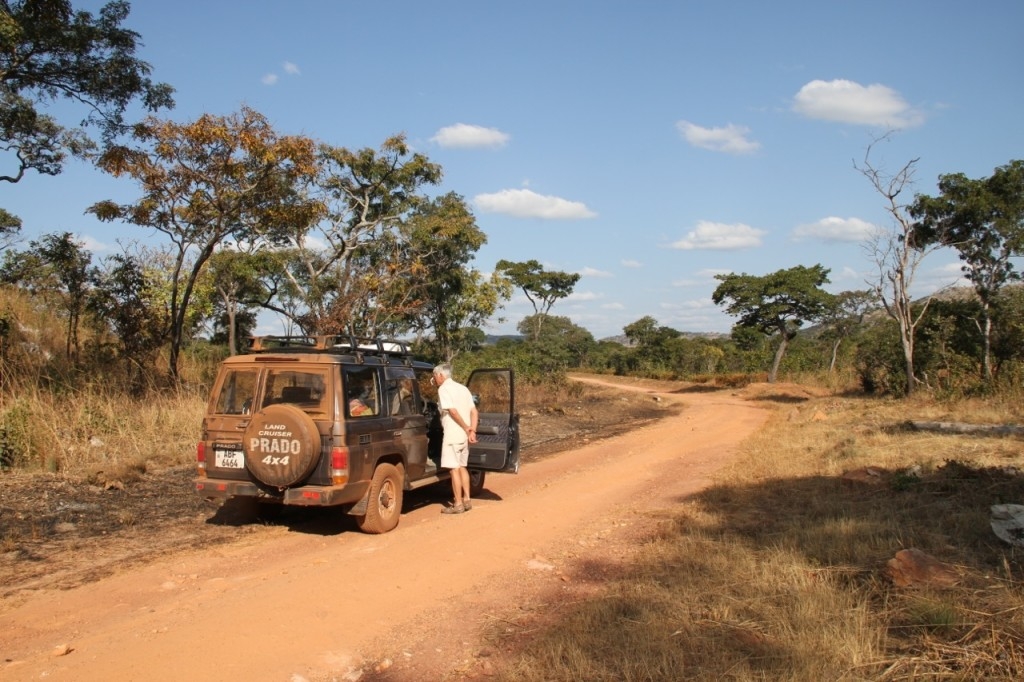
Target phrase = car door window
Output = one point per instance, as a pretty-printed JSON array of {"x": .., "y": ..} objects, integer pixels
[
  {"x": 362, "y": 394},
  {"x": 236, "y": 392}
]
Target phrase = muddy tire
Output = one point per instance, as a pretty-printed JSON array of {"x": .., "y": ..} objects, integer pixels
[
  {"x": 384, "y": 503},
  {"x": 476, "y": 482},
  {"x": 282, "y": 445}
]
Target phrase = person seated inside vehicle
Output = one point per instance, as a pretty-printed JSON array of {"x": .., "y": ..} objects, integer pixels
[
  {"x": 357, "y": 408},
  {"x": 402, "y": 397}
]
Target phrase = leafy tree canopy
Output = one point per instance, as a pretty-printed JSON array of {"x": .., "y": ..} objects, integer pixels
[
  {"x": 984, "y": 221},
  {"x": 50, "y": 52},
  {"x": 777, "y": 303},
  {"x": 205, "y": 181},
  {"x": 646, "y": 332},
  {"x": 541, "y": 287}
]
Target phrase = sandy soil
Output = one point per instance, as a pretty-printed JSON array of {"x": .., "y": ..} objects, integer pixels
[{"x": 315, "y": 600}]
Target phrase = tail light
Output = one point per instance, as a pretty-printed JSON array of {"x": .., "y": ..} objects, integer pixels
[
  {"x": 339, "y": 465},
  {"x": 201, "y": 458}
]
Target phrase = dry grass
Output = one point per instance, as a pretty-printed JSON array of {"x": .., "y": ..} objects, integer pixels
[
  {"x": 778, "y": 571},
  {"x": 77, "y": 432}
]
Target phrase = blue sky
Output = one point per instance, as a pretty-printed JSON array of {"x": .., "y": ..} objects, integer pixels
[{"x": 646, "y": 145}]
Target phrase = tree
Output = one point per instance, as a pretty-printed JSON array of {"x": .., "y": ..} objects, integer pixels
[
  {"x": 205, "y": 181},
  {"x": 56, "y": 267},
  {"x": 984, "y": 221},
  {"x": 236, "y": 277},
  {"x": 444, "y": 238},
  {"x": 10, "y": 225},
  {"x": 361, "y": 195},
  {"x": 897, "y": 254},
  {"x": 645, "y": 332},
  {"x": 51, "y": 52},
  {"x": 541, "y": 287},
  {"x": 654, "y": 346},
  {"x": 845, "y": 317},
  {"x": 777, "y": 303},
  {"x": 126, "y": 306},
  {"x": 561, "y": 344}
]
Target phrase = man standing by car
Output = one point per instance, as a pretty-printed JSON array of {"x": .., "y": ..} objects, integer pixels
[{"x": 458, "y": 419}]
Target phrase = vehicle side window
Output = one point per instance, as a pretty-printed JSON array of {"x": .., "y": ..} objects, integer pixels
[
  {"x": 402, "y": 399},
  {"x": 362, "y": 395},
  {"x": 236, "y": 392},
  {"x": 428, "y": 390},
  {"x": 492, "y": 392}
]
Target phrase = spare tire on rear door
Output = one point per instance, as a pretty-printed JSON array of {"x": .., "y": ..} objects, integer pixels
[{"x": 282, "y": 445}]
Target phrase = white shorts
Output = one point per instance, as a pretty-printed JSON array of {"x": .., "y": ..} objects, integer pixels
[{"x": 454, "y": 455}]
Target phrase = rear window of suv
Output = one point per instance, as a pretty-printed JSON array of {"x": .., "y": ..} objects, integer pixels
[{"x": 302, "y": 388}]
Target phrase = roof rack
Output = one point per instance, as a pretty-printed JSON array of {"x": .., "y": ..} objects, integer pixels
[
  {"x": 262, "y": 344},
  {"x": 329, "y": 343}
]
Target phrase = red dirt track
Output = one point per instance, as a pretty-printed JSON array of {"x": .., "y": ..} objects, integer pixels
[{"x": 322, "y": 605}]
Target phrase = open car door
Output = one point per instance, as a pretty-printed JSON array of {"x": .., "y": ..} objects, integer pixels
[{"x": 497, "y": 432}]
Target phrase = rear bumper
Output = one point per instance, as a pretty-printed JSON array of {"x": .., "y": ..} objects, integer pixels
[{"x": 305, "y": 496}]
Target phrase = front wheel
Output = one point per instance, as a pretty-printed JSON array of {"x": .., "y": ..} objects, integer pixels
[
  {"x": 384, "y": 503},
  {"x": 476, "y": 482}
]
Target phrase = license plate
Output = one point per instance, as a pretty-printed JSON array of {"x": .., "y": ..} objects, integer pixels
[{"x": 228, "y": 459}]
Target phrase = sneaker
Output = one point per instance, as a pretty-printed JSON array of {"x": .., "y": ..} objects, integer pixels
[
  {"x": 467, "y": 505},
  {"x": 454, "y": 509}
]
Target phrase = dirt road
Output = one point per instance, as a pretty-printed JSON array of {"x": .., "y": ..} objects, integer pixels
[{"x": 332, "y": 604}]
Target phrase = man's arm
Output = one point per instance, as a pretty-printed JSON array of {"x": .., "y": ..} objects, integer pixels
[{"x": 468, "y": 427}]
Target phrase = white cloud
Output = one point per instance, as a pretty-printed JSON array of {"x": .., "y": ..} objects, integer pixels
[
  {"x": 583, "y": 296},
  {"x": 692, "y": 304},
  {"x": 845, "y": 101},
  {"x": 710, "y": 273},
  {"x": 630, "y": 263},
  {"x": 731, "y": 139},
  {"x": 465, "y": 136},
  {"x": 613, "y": 306},
  {"x": 720, "y": 236},
  {"x": 523, "y": 203},
  {"x": 91, "y": 244},
  {"x": 290, "y": 68},
  {"x": 938, "y": 278},
  {"x": 834, "y": 229},
  {"x": 848, "y": 274},
  {"x": 594, "y": 272}
]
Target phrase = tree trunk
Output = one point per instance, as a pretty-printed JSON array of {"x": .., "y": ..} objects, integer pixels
[
  {"x": 232, "y": 330},
  {"x": 778, "y": 358},
  {"x": 835, "y": 352},
  {"x": 961, "y": 427},
  {"x": 986, "y": 344}
]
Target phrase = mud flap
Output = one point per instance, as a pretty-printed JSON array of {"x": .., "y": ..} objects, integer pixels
[{"x": 359, "y": 508}]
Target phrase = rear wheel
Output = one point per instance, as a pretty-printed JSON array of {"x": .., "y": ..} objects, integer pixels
[
  {"x": 384, "y": 503},
  {"x": 476, "y": 482}
]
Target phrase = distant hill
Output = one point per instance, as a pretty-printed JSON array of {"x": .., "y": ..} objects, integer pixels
[
  {"x": 622, "y": 339},
  {"x": 492, "y": 339}
]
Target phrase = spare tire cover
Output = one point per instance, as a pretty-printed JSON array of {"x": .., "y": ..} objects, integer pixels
[{"x": 282, "y": 445}]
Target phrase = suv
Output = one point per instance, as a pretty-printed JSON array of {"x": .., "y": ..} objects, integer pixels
[{"x": 341, "y": 421}]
